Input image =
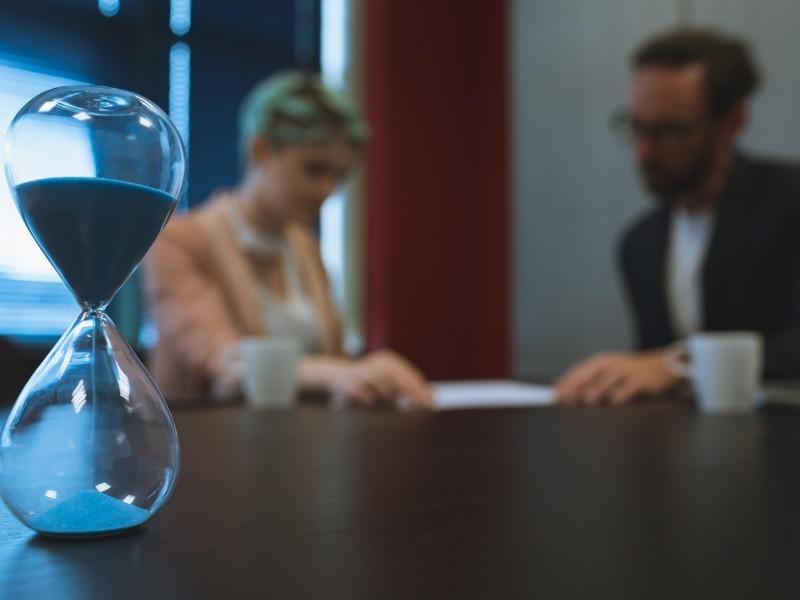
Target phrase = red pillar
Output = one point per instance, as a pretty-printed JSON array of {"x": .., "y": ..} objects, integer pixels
[{"x": 437, "y": 214}]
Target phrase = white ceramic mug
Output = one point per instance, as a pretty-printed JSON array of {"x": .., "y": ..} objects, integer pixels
[
  {"x": 723, "y": 367},
  {"x": 269, "y": 380}
]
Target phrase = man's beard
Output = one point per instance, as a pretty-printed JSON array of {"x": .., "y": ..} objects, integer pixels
[{"x": 666, "y": 186}]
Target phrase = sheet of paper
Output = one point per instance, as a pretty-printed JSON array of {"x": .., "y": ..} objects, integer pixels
[{"x": 450, "y": 395}]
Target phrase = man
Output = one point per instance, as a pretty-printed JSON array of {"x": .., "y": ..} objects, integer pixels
[{"x": 721, "y": 251}]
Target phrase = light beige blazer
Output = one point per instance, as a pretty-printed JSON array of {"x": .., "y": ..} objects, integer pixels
[{"x": 202, "y": 291}]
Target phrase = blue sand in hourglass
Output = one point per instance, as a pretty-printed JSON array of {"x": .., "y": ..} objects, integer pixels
[
  {"x": 87, "y": 513},
  {"x": 94, "y": 230}
]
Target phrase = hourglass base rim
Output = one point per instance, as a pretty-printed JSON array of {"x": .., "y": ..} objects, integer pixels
[{"x": 90, "y": 534}]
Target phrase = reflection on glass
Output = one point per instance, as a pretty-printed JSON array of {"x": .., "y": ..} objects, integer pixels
[{"x": 79, "y": 396}]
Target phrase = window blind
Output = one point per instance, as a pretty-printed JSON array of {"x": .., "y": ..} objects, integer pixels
[{"x": 33, "y": 300}]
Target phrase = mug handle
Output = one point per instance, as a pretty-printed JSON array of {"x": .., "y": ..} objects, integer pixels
[{"x": 674, "y": 358}]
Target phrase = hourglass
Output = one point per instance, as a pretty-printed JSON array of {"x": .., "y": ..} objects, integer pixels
[{"x": 89, "y": 447}]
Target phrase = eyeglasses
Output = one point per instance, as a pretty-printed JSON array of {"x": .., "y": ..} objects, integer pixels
[{"x": 630, "y": 129}]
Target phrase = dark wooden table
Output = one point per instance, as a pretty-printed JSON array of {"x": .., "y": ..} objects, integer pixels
[{"x": 643, "y": 502}]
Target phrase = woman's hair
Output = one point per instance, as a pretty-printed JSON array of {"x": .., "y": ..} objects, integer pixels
[{"x": 295, "y": 108}]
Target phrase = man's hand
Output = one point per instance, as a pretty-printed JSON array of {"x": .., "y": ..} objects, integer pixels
[{"x": 616, "y": 378}]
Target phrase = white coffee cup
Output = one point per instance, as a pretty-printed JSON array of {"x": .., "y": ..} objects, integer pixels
[
  {"x": 724, "y": 369},
  {"x": 269, "y": 380}
]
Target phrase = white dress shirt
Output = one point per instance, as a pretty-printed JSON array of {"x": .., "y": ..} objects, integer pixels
[{"x": 689, "y": 238}]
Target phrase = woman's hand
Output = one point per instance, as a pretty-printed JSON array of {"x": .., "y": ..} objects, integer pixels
[
  {"x": 379, "y": 378},
  {"x": 382, "y": 377}
]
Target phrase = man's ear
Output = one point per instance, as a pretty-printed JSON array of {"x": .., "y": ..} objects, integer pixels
[
  {"x": 736, "y": 120},
  {"x": 260, "y": 150}
]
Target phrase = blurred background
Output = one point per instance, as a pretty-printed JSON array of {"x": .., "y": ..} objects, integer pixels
[
  {"x": 478, "y": 238},
  {"x": 573, "y": 183}
]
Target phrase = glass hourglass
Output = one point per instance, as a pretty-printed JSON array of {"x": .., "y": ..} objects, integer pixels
[{"x": 89, "y": 447}]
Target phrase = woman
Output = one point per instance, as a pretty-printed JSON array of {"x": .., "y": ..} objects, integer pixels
[{"x": 247, "y": 263}]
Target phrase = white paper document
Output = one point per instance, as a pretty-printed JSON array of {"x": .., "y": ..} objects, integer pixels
[{"x": 451, "y": 395}]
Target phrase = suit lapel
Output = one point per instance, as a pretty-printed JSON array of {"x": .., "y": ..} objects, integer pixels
[
  {"x": 730, "y": 217},
  {"x": 315, "y": 284},
  {"x": 659, "y": 253}
]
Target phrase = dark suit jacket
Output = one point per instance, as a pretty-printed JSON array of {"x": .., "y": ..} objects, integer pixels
[{"x": 751, "y": 275}]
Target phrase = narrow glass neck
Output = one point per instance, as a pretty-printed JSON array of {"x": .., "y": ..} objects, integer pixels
[
  {"x": 93, "y": 313},
  {"x": 86, "y": 307}
]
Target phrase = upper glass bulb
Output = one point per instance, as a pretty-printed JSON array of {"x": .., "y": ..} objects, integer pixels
[{"x": 95, "y": 172}]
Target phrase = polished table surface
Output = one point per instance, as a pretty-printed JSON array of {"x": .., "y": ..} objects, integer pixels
[{"x": 642, "y": 502}]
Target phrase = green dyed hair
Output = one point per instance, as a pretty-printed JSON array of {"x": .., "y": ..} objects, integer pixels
[{"x": 295, "y": 108}]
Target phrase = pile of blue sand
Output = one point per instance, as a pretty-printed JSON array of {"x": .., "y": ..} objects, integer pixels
[{"x": 89, "y": 513}]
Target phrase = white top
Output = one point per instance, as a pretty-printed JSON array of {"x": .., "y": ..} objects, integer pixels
[
  {"x": 689, "y": 238},
  {"x": 292, "y": 316}
]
